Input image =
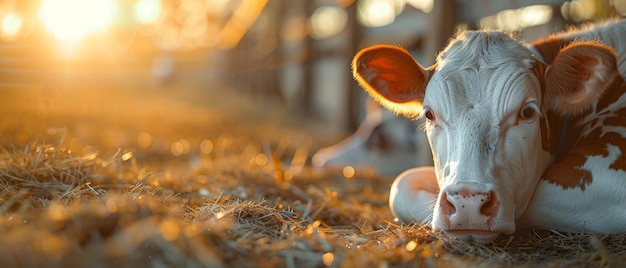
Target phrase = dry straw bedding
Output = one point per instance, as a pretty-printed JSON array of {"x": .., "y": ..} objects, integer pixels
[
  {"x": 89, "y": 195},
  {"x": 60, "y": 208}
]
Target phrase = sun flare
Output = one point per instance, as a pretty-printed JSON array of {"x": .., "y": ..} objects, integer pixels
[{"x": 72, "y": 20}]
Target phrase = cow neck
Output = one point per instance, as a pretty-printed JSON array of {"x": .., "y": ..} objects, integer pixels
[
  {"x": 592, "y": 133},
  {"x": 554, "y": 126}
]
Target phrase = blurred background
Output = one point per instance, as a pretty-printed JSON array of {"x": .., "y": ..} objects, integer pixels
[{"x": 294, "y": 54}]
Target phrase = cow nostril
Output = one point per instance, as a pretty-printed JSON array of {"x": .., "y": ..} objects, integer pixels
[
  {"x": 490, "y": 204},
  {"x": 447, "y": 206},
  {"x": 480, "y": 203}
]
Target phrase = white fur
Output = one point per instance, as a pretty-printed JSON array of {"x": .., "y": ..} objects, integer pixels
[{"x": 597, "y": 209}]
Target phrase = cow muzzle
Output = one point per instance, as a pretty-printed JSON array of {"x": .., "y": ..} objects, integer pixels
[{"x": 467, "y": 211}]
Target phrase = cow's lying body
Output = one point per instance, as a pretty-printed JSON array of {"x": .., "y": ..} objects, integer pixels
[
  {"x": 385, "y": 142},
  {"x": 534, "y": 136}
]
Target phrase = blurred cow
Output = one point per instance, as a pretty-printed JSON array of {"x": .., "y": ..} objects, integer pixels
[{"x": 388, "y": 143}]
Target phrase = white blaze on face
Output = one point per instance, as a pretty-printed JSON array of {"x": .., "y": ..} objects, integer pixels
[{"x": 483, "y": 110}]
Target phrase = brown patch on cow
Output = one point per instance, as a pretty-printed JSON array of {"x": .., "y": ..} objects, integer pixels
[
  {"x": 568, "y": 170},
  {"x": 614, "y": 139},
  {"x": 569, "y": 173},
  {"x": 611, "y": 118}
]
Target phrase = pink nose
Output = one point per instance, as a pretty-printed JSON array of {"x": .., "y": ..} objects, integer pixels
[{"x": 466, "y": 209}]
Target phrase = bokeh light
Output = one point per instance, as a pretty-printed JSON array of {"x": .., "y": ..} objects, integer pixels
[
  {"x": 376, "y": 13},
  {"x": 239, "y": 23},
  {"x": 72, "y": 20},
  {"x": 619, "y": 5},
  {"x": 348, "y": 172},
  {"x": 11, "y": 26},
  {"x": 518, "y": 19},
  {"x": 261, "y": 159},
  {"x": 147, "y": 11},
  {"x": 579, "y": 10},
  {"x": 294, "y": 29},
  {"x": 327, "y": 21},
  {"x": 144, "y": 139},
  {"x": 206, "y": 146},
  {"x": 180, "y": 147}
]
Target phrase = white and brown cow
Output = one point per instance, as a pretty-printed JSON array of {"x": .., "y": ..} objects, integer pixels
[{"x": 514, "y": 139}]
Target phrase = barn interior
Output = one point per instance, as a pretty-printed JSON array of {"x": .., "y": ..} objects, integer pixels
[{"x": 181, "y": 133}]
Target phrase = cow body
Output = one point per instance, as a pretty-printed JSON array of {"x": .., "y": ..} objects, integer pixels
[
  {"x": 528, "y": 135},
  {"x": 385, "y": 142}
]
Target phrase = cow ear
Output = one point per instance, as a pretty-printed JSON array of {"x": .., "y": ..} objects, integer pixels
[
  {"x": 549, "y": 48},
  {"x": 392, "y": 77},
  {"x": 578, "y": 76}
]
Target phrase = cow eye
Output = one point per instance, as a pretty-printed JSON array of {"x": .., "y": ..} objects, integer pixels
[
  {"x": 528, "y": 111},
  {"x": 429, "y": 114}
]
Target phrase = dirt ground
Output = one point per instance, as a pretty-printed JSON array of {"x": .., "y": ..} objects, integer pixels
[{"x": 176, "y": 177}]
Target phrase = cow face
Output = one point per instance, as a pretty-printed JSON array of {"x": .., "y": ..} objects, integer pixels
[{"x": 485, "y": 104}]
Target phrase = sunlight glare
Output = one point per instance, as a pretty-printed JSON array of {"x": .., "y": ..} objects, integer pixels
[
  {"x": 235, "y": 28},
  {"x": 535, "y": 15},
  {"x": 147, "y": 11},
  {"x": 376, "y": 13},
  {"x": 11, "y": 26},
  {"x": 327, "y": 21},
  {"x": 518, "y": 19},
  {"x": 72, "y": 20}
]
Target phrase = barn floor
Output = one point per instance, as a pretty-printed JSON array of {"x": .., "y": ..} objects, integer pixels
[{"x": 177, "y": 177}]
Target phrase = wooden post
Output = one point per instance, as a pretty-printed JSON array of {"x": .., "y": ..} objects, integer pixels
[
  {"x": 353, "y": 95},
  {"x": 441, "y": 26}
]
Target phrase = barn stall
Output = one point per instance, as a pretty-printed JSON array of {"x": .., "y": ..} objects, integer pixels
[{"x": 180, "y": 133}]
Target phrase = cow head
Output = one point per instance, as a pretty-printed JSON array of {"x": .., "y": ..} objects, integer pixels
[
  {"x": 385, "y": 142},
  {"x": 486, "y": 101}
]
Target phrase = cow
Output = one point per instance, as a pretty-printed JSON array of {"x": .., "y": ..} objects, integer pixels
[
  {"x": 383, "y": 141},
  {"x": 521, "y": 136}
]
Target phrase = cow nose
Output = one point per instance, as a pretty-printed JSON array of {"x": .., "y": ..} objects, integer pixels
[{"x": 469, "y": 209}]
